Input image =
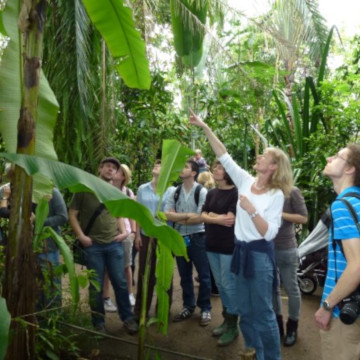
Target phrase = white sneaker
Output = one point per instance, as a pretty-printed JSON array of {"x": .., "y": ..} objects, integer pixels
[
  {"x": 109, "y": 306},
  {"x": 132, "y": 299}
]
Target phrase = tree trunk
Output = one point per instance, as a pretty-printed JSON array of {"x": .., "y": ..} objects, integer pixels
[{"x": 19, "y": 284}]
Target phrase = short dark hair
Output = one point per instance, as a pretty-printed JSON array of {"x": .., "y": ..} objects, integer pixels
[
  {"x": 112, "y": 160},
  {"x": 194, "y": 166},
  {"x": 353, "y": 159},
  {"x": 227, "y": 177}
]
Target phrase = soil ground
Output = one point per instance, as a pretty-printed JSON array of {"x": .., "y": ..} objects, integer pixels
[{"x": 188, "y": 340}]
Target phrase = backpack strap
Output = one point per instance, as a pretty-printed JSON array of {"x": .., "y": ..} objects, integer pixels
[
  {"x": 196, "y": 194},
  {"x": 353, "y": 215},
  {"x": 177, "y": 194}
]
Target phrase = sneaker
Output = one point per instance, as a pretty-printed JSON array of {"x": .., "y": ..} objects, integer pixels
[
  {"x": 109, "y": 306},
  {"x": 131, "y": 326},
  {"x": 132, "y": 299},
  {"x": 184, "y": 314},
  {"x": 205, "y": 318}
]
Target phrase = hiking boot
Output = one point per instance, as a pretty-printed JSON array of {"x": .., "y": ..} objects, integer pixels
[
  {"x": 205, "y": 318},
  {"x": 131, "y": 326},
  {"x": 109, "y": 306},
  {"x": 231, "y": 332},
  {"x": 184, "y": 314},
  {"x": 218, "y": 331},
  {"x": 291, "y": 332}
]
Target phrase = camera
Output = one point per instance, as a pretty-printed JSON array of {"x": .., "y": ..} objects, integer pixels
[{"x": 350, "y": 309}]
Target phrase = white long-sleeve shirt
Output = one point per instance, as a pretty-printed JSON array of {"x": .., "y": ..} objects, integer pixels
[{"x": 268, "y": 205}]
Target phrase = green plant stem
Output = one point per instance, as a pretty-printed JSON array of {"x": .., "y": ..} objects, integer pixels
[{"x": 145, "y": 286}]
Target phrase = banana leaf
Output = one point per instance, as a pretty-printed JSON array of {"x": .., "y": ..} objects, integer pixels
[
  {"x": 186, "y": 17},
  {"x": 116, "y": 25},
  {"x": 5, "y": 319},
  {"x": 118, "y": 204},
  {"x": 164, "y": 273},
  {"x": 66, "y": 253},
  {"x": 174, "y": 157}
]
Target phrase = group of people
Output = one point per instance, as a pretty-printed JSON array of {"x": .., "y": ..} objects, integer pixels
[
  {"x": 267, "y": 203},
  {"x": 241, "y": 232}
]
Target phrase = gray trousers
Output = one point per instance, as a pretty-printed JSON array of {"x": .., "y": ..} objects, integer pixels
[{"x": 287, "y": 263}]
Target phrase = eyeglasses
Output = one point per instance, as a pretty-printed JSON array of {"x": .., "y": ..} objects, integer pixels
[{"x": 340, "y": 157}]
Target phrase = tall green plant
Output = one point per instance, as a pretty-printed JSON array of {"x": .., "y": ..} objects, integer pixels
[{"x": 173, "y": 159}]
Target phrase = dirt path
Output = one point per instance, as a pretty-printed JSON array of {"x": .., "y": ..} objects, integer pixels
[{"x": 196, "y": 342}]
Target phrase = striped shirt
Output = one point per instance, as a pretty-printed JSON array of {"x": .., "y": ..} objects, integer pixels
[{"x": 344, "y": 228}]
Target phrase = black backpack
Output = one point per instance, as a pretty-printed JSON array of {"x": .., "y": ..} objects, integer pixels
[{"x": 196, "y": 194}]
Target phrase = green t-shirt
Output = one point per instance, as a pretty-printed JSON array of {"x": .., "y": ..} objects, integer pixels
[{"x": 105, "y": 227}]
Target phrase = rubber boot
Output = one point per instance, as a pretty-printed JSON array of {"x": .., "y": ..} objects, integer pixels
[
  {"x": 231, "y": 332},
  {"x": 218, "y": 331},
  {"x": 291, "y": 332},
  {"x": 280, "y": 323}
]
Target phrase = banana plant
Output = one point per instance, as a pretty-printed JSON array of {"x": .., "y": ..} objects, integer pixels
[{"x": 174, "y": 156}]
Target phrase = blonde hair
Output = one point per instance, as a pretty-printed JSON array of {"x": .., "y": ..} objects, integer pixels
[
  {"x": 127, "y": 174},
  {"x": 206, "y": 179},
  {"x": 282, "y": 178}
]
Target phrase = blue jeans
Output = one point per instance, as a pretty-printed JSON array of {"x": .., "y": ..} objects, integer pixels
[
  {"x": 224, "y": 279},
  {"x": 287, "y": 263},
  {"x": 99, "y": 257},
  {"x": 51, "y": 297},
  {"x": 197, "y": 255},
  {"x": 255, "y": 307}
]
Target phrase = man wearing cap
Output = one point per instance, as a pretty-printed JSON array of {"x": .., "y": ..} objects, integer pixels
[{"x": 103, "y": 249}]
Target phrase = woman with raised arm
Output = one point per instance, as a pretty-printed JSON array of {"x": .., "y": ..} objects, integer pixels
[{"x": 258, "y": 218}]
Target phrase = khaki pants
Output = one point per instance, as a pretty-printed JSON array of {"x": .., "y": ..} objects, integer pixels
[{"x": 341, "y": 342}]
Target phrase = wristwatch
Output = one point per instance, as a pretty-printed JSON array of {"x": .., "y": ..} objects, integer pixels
[
  {"x": 326, "y": 305},
  {"x": 255, "y": 213}
]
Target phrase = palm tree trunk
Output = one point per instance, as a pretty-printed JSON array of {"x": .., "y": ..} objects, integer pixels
[{"x": 19, "y": 284}]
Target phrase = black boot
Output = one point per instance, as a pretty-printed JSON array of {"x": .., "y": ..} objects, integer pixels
[
  {"x": 280, "y": 323},
  {"x": 291, "y": 332}
]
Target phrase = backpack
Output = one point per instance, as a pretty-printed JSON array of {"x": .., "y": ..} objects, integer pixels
[{"x": 196, "y": 194}]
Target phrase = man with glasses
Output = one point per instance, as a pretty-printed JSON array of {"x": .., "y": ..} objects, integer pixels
[{"x": 338, "y": 316}]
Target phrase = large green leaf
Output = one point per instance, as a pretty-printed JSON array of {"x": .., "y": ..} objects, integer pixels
[
  {"x": 324, "y": 56},
  {"x": 69, "y": 263},
  {"x": 115, "y": 23},
  {"x": 289, "y": 136},
  {"x": 5, "y": 319},
  {"x": 174, "y": 157},
  {"x": 164, "y": 274},
  {"x": 119, "y": 205},
  {"x": 188, "y": 18}
]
